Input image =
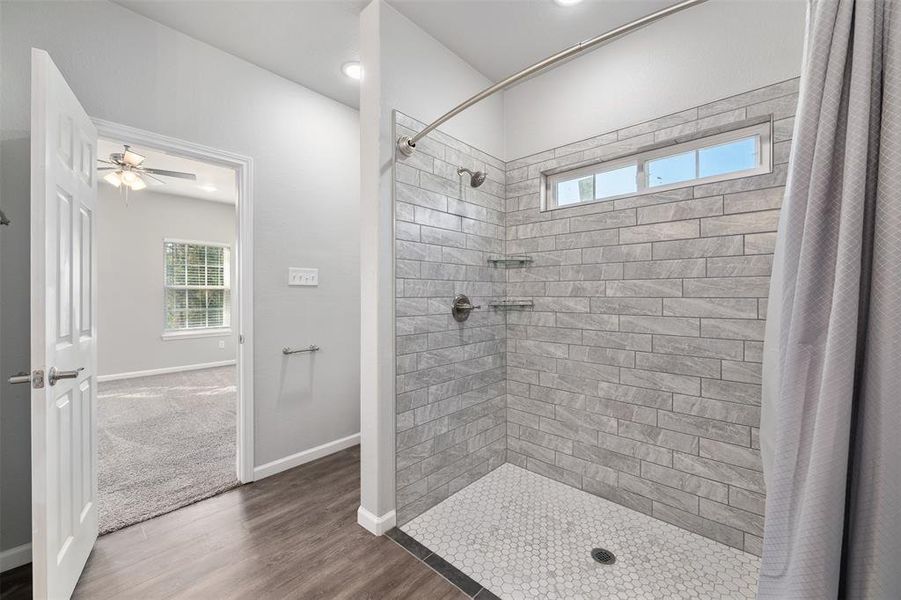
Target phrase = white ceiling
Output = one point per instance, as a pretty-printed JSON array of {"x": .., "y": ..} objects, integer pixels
[
  {"x": 220, "y": 178},
  {"x": 500, "y": 37},
  {"x": 307, "y": 41}
]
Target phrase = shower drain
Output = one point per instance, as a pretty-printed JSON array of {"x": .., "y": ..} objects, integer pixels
[{"x": 603, "y": 556}]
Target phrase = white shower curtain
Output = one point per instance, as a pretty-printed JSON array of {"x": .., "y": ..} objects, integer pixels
[{"x": 831, "y": 426}]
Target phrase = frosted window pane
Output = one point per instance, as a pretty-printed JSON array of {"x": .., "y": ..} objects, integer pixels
[
  {"x": 575, "y": 191},
  {"x": 671, "y": 169},
  {"x": 616, "y": 182},
  {"x": 739, "y": 155}
]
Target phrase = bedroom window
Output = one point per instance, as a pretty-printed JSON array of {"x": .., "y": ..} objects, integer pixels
[
  {"x": 196, "y": 286},
  {"x": 729, "y": 155}
]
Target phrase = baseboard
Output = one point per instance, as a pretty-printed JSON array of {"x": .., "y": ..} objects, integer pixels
[
  {"x": 15, "y": 557},
  {"x": 295, "y": 460},
  {"x": 376, "y": 525},
  {"x": 164, "y": 371}
]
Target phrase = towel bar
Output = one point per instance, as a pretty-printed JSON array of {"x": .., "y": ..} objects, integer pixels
[{"x": 311, "y": 348}]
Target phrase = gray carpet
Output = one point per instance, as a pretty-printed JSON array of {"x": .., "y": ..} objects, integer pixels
[{"x": 164, "y": 441}]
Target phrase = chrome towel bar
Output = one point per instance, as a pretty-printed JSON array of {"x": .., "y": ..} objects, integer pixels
[{"x": 311, "y": 348}]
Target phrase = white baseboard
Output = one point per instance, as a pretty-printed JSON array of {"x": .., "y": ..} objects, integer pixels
[
  {"x": 15, "y": 557},
  {"x": 376, "y": 525},
  {"x": 164, "y": 371},
  {"x": 295, "y": 460}
]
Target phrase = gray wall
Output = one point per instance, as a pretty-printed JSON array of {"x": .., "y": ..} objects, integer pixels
[
  {"x": 305, "y": 149},
  {"x": 450, "y": 376},
  {"x": 130, "y": 270},
  {"x": 637, "y": 376}
]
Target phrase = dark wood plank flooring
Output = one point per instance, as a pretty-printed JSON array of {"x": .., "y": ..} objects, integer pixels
[{"x": 292, "y": 535}]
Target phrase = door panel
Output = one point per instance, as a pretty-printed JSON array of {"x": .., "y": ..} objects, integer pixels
[
  {"x": 64, "y": 266},
  {"x": 63, "y": 318}
]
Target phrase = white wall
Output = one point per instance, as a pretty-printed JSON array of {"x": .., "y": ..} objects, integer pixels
[
  {"x": 305, "y": 147},
  {"x": 408, "y": 70},
  {"x": 130, "y": 271},
  {"x": 710, "y": 51}
]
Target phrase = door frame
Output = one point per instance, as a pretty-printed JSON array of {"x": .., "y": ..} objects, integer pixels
[{"x": 243, "y": 166}]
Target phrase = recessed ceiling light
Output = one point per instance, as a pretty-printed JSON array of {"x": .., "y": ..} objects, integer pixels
[
  {"x": 208, "y": 188},
  {"x": 352, "y": 69},
  {"x": 566, "y": 2}
]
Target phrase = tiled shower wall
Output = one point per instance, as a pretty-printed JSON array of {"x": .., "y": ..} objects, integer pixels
[
  {"x": 451, "y": 377},
  {"x": 637, "y": 375}
]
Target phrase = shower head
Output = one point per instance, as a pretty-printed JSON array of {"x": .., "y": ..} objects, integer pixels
[{"x": 476, "y": 178}]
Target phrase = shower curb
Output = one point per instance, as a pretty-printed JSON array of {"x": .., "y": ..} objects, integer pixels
[{"x": 458, "y": 578}]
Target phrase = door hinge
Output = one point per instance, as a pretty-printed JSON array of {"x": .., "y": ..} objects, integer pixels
[{"x": 241, "y": 338}]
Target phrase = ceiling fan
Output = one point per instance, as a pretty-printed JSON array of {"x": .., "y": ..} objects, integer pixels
[{"x": 127, "y": 168}]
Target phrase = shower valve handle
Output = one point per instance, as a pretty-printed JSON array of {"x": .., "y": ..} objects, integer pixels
[
  {"x": 461, "y": 307},
  {"x": 466, "y": 306}
]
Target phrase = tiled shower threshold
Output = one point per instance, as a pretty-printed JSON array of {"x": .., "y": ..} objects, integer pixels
[{"x": 521, "y": 535}]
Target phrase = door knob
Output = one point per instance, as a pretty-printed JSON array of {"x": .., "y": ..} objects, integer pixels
[{"x": 55, "y": 374}]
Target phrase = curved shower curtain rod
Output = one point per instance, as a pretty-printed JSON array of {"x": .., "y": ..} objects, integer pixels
[{"x": 407, "y": 144}]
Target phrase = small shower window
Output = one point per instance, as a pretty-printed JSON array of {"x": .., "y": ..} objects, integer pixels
[{"x": 706, "y": 158}]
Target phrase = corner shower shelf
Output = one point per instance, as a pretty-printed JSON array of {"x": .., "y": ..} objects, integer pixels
[
  {"x": 510, "y": 262},
  {"x": 510, "y": 303}
]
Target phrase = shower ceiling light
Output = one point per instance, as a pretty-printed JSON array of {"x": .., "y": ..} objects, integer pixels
[
  {"x": 352, "y": 69},
  {"x": 566, "y": 2}
]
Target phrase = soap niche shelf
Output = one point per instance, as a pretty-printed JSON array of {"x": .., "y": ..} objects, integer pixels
[
  {"x": 510, "y": 262},
  {"x": 511, "y": 303}
]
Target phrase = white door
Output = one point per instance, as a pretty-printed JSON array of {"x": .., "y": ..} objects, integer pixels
[{"x": 63, "y": 317}]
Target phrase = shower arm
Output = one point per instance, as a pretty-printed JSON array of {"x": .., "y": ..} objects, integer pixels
[{"x": 407, "y": 144}]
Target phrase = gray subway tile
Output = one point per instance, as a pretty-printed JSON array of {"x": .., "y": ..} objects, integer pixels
[
  {"x": 733, "y": 329},
  {"x": 739, "y": 223},
  {"x": 719, "y": 471},
  {"x": 674, "y": 230},
  {"x": 669, "y": 382},
  {"x": 740, "y": 308},
  {"x": 699, "y": 248},
  {"x": 733, "y": 517},
  {"x": 706, "y": 527},
  {"x": 741, "y": 456},
  {"x": 703, "y": 427},
  {"x": 686, "y": 209}
]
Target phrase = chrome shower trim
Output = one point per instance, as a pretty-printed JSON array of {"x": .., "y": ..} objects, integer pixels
[
  {"x": 407, "y": 144},
  {"x": 476, "y": 178}
]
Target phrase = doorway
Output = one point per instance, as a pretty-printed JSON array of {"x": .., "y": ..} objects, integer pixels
[{"x": 174, "y": 404}]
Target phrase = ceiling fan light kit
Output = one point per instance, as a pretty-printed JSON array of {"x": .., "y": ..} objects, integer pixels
[{"x": 127, "y": 168}]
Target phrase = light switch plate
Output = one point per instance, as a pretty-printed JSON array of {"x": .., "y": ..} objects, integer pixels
[{"x": 303, "y": 276}]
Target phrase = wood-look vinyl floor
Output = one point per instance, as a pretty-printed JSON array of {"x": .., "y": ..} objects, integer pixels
[{"x": 292, "y": 535}]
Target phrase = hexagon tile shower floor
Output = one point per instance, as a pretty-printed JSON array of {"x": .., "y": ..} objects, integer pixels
[{"x": 523, "y": 536}]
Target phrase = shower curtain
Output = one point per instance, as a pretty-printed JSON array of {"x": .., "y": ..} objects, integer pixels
[{"x": 831, "y": 426}]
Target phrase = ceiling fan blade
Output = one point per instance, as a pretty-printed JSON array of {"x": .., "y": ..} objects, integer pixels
[
  {"x": 177, "y": 174},
  {"x": 149, "y": 176},
  {"x": 107, "y": 168},
  {"x": 106, "y": 162},
  {"x": 132, "y": 158}
]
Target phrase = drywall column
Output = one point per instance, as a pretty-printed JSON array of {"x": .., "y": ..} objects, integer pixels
[
  {"x": 376, "y": 512},
  {"x": 405, "y": 69}
]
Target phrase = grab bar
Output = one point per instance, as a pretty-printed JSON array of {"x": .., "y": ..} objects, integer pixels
[{"x": 311, "y": 348}]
